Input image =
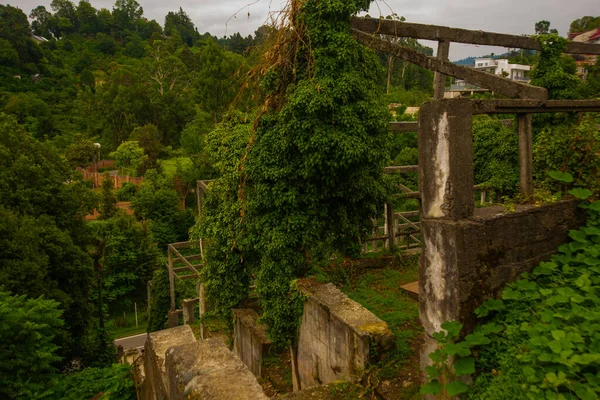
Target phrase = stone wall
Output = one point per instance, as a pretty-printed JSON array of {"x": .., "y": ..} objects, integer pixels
[
  {"x": 336, "y": 336},
  {"x": 250, "y": 341},
  {"x": 207, "y": 370},
  {"x": 157, "y": 344},
  {"x": 176, "y": 366}
]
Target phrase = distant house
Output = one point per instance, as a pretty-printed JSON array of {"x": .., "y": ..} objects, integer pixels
[
  {"x": 39, "y": 39},
  {"x": 516, "y": 72},
  {"x": 593, "y": 37}
]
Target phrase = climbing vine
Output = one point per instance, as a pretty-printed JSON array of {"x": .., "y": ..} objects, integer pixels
[
  {"x": 549, "y": 71},
  {"x": 310, "y": 176}
]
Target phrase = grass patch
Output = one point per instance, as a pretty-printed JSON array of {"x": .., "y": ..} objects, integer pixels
[
  {"x": 170, "y": 166},
  {"x": 378, "y": 290},
  {"x": 124, "y": 326}
]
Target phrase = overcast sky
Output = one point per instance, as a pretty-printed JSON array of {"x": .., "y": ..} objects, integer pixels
[{"x": 506, "y": 16}]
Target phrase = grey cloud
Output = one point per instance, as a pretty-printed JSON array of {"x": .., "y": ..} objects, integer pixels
[{"x": 508, "y": 16}]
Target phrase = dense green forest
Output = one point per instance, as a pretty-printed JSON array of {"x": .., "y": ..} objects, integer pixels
[{"x": 172, "y": 106}]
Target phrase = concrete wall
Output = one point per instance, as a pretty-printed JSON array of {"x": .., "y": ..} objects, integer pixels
[
  {"x": 207, "y": 370},
  {"x": 250, "y": 341},
  {"x": 176, "y": 366},
  {"x": 336, "y": 335},
  {"x": 467, "y": 261},
  {"x": 470, "y": 254}
]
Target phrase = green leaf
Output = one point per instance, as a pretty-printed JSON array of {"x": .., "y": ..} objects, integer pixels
[
  {"x": 455, "y": 388},
  {"x": 458, "y": 349},
  {"x": 509, "y": 294},
  {"x": 434, "y": 387},
  {"x": 558, "y": 334},
  {"x": 578, "y": 236},
  {"x": 464, "y": 366},
  {"x": 452, "y": 327},
  {"x": 580, "y": 193},
  {"x": 528, "y": 371},
  {"x": 561, "y": 176}
]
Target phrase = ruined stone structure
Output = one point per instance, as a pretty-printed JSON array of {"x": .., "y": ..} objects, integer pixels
[
  {"x": 250, "y": 341},
  {"x": 336, "y": 336},
  {"x": 176, "y": 366}
]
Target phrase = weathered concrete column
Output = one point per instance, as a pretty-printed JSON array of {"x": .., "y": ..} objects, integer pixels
[
  {"x": 188, "y": 306},
  {"x": 439, "y": 80},
  {"x": 171, "y": 277},
  {"x": 446, "y": 177},
  {"x": 173, "y": 318},
  {"x": 525, "y": 154},
  {"x": 390, "y": 219}
]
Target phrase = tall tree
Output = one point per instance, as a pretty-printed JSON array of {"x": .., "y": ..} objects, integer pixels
[
  {"x": 87, "y": 18},
  {"x": 42, "y": 232},
  {"x": 126, "y": 14},
  {"x": 543, "y": 28},
  {"x": 183, "y": 24},
  {"x": 66, "y": 14},
  {"x": 43, "y": 23},
  {"x": 28, "y": 355},
  {"x": 584, "y": 24}
]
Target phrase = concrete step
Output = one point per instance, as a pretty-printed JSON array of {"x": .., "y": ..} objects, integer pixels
[{"x": 412, "y": 289}]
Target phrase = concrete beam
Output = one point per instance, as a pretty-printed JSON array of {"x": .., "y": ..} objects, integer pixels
[
  {"x": 534, "y": 106},
  {"x": 404, "y": 126},
  {"x": 496, "y": 83},
  {"x": 457, "y": 35},
  {"x": 402, "y": 169}
]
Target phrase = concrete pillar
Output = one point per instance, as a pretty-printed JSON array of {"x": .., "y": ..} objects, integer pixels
[
  {"x": 525, "y": 154},
  {"x": 391, "y": 228},
  {"x": 446, "y": 176},
  {"x": 171, "y": 277},
  {"x": 173, "y": 319},
  {"x": 439, "y": 80},
  {"x": 188, "y": 306}
]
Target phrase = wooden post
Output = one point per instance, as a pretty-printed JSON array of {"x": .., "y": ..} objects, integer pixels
[
  {"x": 390, "y": 222},
  {"x": 525, "y": 155},
  {"x": 201, "y": 309},
  {"x": 439, "y": 80},
  {"x": 149, "y": 295},
  {"x": 136, "y": 318},
  {"x": 171, "y": 278}
]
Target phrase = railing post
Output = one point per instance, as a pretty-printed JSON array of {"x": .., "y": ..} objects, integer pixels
[
  {"x": 390, "y": 222},
  {"x": 525, "y": 154},
  {"x": 171, "y": 277}
]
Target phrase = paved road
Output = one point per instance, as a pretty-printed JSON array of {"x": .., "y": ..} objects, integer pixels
[{"x": 132, "y": 342}]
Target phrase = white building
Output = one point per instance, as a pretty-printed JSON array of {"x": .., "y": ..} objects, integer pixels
[{"x": 502, "y": 67}]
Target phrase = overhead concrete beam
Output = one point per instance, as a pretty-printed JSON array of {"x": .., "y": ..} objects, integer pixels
[
  {"x": 457, "y": 35},
  {"x": 496, "y": 83}
]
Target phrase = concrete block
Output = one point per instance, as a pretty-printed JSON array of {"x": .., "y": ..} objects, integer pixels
[
  {"x": 207, "y": 370},
  {"x": 188, "y": 306},
  {"x": 336, "y": 336},
  {"x": 250, "y": 340},
  {"x": 157, "y": 344}
]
